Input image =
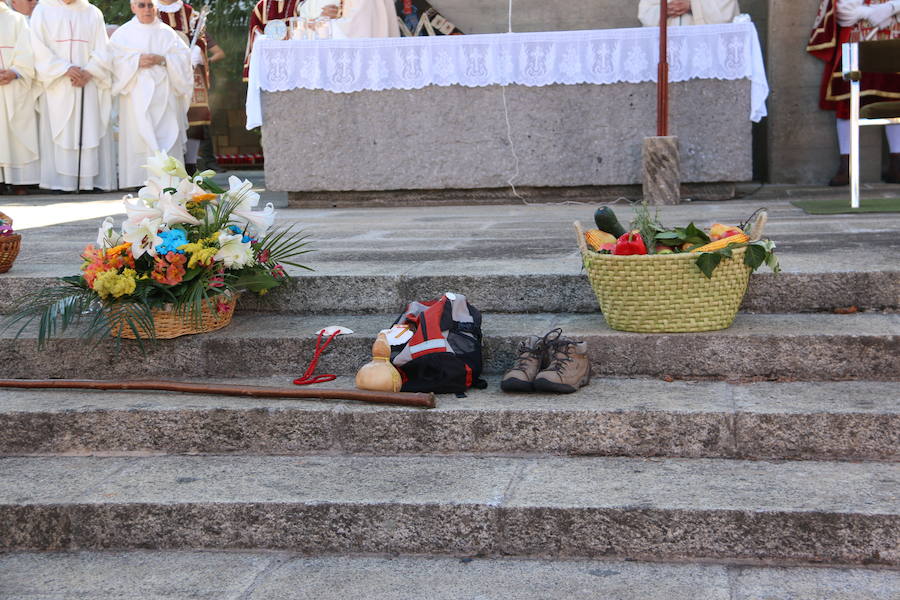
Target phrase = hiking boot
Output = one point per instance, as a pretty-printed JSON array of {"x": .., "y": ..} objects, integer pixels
[
  {"x": 842, "y": 177},
  {"x": 569, "y": 368},
  {"x": 533, "y": 357}
]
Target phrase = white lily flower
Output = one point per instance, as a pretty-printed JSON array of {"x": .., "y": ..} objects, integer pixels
[
  {"x": 242, "y": 193},
  {"x": 174, "y": 212},
  {"x": 151, "y": 192},
  {"x": 143, "y": 236},
  {"x": 259, "y": 220},
  {"x": 107, "y": 236},
  {"x": 161, "y": 164},
  {"x": 138, "y": 210},
  {"x": 232, "y": 251}
]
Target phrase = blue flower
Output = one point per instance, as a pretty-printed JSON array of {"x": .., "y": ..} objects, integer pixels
[
  {"x": 238, "y": 231},
  {"x": 171, "y": 240}
]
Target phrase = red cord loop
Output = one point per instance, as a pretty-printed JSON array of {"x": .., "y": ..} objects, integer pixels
[{"x": 308, "y": 377}]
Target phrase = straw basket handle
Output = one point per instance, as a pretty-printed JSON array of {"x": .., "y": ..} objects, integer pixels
[
  {"x": 756, "y": 231},
  {"x": 582, "y": 245}
]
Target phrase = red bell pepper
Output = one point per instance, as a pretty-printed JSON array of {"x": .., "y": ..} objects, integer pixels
[{"x": 630, "y": 243}]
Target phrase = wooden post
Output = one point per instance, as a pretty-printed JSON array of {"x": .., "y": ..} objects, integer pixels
[
  {"x": 661, "y": 172},
  {"x": 662, "y": 74}
]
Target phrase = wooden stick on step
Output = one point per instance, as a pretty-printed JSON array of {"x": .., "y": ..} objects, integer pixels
[{"x": 422, "y": 400}]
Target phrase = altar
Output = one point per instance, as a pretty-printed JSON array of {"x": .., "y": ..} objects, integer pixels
[{"x": 550, "y": 109}]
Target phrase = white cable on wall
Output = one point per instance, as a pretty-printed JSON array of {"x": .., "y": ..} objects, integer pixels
[{"x": 512, "y": 146}]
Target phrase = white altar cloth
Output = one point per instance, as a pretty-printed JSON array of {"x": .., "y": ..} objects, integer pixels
[{"x": 602, "y": 56}]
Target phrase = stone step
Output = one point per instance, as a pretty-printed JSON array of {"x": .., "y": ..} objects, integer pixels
[
  {"x": 661, "y": 509},
  {"x": 175, "y": 575},
  {"x": 552, "y": 291},
  {"x": 792, "y": 346},
  {"x": 855, "y": 420}
]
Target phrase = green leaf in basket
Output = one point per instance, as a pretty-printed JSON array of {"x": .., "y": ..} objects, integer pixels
[
  {"x": 755, "y": 256},
  {"x": 708, "y": 261},
  {"x": 692, "y": 233}
]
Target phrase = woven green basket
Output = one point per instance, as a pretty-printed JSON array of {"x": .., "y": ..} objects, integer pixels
[{"x": 665, "y": 293}]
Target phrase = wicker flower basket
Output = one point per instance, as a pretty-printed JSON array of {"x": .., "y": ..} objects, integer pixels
[
  {"x": 9, "y": 250},
  {"x": 665, "y": 293},
  {"x": 9, "y": 245},
  {"x": 169, "y": 323}
]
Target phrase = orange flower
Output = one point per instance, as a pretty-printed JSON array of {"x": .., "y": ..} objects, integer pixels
[
  {"x": 98, "y": 260},
  {"x": 203, "y": 197},
  {"x": 169, "y": 269}
]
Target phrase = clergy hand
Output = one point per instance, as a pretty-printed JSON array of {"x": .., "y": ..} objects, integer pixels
[
  {"x": 676, "y": 8},
  {"x": 150, "y": 60},
  {"x": 330, "y": 11},
  {"x": 74, "y": 74},
  {"x": 7, "y": 76},
  {"x": 83, "y": 78}
]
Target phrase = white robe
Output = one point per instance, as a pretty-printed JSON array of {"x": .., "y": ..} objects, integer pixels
[
  {"x": 63, "y": 35},
  {"x": 361, "y": 18},
  {"x": 19, "y": 155},
  {"x": 703, "y": 12},
  {"x": 153, "y": 102}
]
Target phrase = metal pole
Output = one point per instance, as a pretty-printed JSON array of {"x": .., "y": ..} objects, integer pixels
[
  {"x": 80, "y": 143},
  {"x": 662, "y": 75},
  {"x": 852, "y": 50}
]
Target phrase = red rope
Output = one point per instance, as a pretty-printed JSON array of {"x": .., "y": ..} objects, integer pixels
[{"x": 308, "y": 377}]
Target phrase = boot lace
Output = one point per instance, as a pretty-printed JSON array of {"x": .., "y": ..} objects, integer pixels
[
  {"x": 562, "y": 356},
  {"x": 539, "y": 350}
]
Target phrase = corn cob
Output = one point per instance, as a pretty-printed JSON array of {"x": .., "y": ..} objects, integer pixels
[
  {"x": 738, "y": 238},
  {"x": 596, "y": 238}
]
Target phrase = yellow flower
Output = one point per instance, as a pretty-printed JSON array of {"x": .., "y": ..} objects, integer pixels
[
  {"x": 112, "y": 283},
  {"x": 201, "y": 252}
]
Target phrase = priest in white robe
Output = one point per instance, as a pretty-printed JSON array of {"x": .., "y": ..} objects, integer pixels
[
  {"x": 355, "y": 18},
  {"x": 689, "y": 12},
  {"x": 153, "y": 78},
  {"x": 19, "y": 164},
  {"x": 69, "y": 40}
]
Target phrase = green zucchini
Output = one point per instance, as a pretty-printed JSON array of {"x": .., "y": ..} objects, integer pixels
[{"x": 606, "y": 221}]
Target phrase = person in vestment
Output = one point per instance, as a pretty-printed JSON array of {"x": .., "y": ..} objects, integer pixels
[
  {"x": 185, "y": 20},
  {"x": 25, "y": 7},
  {"x": 689, "y": 12},
  {"x": 69, "y": 38},
  {"x": 19, "y": 158},
  {"x": 153, "y": 79},
  {"x": 262, "y": 13},
  {"x": 356, "y": 18},
  {"x": 840, "y": 21}
]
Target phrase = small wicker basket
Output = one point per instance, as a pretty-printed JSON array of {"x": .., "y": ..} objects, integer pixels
[
  {"x": 9, "y": 246},
  {"x": 169, "y": 323},
  {"x": 665, "y": 293}
]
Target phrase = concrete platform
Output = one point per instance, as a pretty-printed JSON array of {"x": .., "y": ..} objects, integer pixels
[
  {"x": 176, "y": 575},
  {"x": 661, "y": 509},
  {"x": 611, "y": 417}
]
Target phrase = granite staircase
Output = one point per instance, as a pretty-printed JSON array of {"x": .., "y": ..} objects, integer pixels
[{"x": 756, "y": 462}]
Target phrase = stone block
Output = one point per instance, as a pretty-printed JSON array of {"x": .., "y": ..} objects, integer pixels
[{"x": 564, "y": 135}]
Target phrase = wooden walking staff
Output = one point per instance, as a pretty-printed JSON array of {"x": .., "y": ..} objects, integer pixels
[
  {"x": 417, "y": 399},
  {"x": 662, "y": 74}
]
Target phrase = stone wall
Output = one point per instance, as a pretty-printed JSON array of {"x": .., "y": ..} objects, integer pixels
[{"x": 455, "y": 137}]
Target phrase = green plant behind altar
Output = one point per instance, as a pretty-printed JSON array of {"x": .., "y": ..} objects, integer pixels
[{"x": 185, "y": 251}]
